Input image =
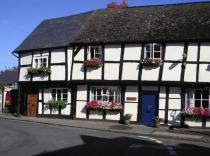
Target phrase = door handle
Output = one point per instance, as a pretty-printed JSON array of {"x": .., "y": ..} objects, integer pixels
[{"x": 149, "y": 108}]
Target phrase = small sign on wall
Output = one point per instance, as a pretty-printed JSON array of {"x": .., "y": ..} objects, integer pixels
[{"x": 131, "y": 98}]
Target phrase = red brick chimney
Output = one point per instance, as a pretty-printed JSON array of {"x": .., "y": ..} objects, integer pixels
[
  {"x": 124, "y": 4},
  {"x": 113, "y": 5}
]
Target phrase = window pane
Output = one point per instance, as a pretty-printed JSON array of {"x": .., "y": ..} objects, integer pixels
[
  {"x": 198, "y": 94},
  {"x": 44, "y": 62},
  {"x": 92, "y": 52},
  {"x": 148, "y": 47},
  {"x": 53, "y": 96},
  {"x": 111, "y": 98},
  {"x": 197, "y": 103},
  {"x": 105, "y": 98},
  {"x": 205, "y": 103},
  {"x": 99, "y": 97},
  {"x": 36, "y": 63},
  {"x": 157, "y": 47},
  {"x": 205, "y": 94},
  {"x": 65, "y": 91},
  {"x": 156, "y": 55},
  {"x": 148, "y": 54}
]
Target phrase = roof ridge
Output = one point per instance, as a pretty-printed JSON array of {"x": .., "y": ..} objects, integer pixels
[{"x": 172, "y": 4}]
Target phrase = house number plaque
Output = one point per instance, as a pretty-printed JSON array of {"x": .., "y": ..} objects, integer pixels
[{"x": 130, "y": 98}]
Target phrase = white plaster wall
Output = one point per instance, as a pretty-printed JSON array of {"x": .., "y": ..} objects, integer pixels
[
  {"x": 40, "y": 108},
  {"x": 37, "y": 54},
  {"x": 45, "y": 53},
  {"x": 131, "y": 108},
  {"x": 69, "y": 54},
  {"x": 80, "y": 109},
  {"x": 174, "y": 104},
  {"x": 94, "y": 74},
  {"x": 162, "y": 103},
  {"x": 67, "y": 110},
  {"x": 110, "y": 115},
  {"x": 208, "y": 123},
  {"x": 40, "y": 94},
  {"x": 131, "y": 91},
  {"x": 190, "y": 73},
  {"x": 161, "y": 115},
  {"x": 78, "y": 73},
  {"x": 80, "y": 55},
  {"x": 174, "y": 51},
  {"x": 149, "y": 73},
  {"x": 192, "y": 52},
  {"x": 162, "y": 92},
  {"x": 47, "y": 95},
  {"x": 46, "y": 110},
  {"x": 132, "y": 52},
  {"x": 111, "y": 71},
  {"x": 193, "y": 122},
  {"x": 112, "y": 52},
  {"x": 58, "y": 55},
  {"x": 174, "y": 118},
  {"x": 174, "y": 92},
  {"x": 171, "y": 72},
  {"x": 55, "y": 111},
  {"x": 82, "y": 93},
  {"x": 204, "y": 73},
  {"x": 23, "y": 76},
  {"x": 130, "y": 71},
  {"x": 25, "y": 58},
  {"x": 205, "y": 52},
  {"x": 95, "y": 114},
  {"x": 58, "y": 72},
  {"x": 40, "y": 78},
  {"x": 149, "y": 88}
]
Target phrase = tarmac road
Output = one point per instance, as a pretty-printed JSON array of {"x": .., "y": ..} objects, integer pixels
[{"x": 20, "y": 138}]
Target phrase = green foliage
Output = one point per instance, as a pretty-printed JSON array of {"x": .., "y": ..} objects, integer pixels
[
  {"x": 56, "y": 104},
  {"x": 39, "y": 71},
  {"x": 2, "y": 86}
]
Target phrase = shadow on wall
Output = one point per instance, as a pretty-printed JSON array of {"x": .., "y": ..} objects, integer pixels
[
  {"x": 124, "y": 146},
  {"x": 175, "y": 118},
  {"x": 208, "y": 68},
  {"x": 173, "y": 65}
]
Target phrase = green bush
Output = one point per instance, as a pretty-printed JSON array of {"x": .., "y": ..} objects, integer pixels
[
  {"x": 37, "y": 71},
  {"x": 56, "y": 104}
]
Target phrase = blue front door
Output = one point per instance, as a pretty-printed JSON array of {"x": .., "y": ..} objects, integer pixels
[{"x": 148, "y": 109}]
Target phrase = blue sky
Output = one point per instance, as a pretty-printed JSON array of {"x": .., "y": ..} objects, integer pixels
[{"x": 19, "y": 17}]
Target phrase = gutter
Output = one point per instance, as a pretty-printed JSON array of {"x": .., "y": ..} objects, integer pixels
[{"x": 15, "y": 54}]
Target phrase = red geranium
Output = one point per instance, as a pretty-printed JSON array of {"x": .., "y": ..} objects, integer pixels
[{"x": 92, "y": 105}]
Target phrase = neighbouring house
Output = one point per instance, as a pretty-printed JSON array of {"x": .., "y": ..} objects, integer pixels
[
  {"x": 8, "y": 92},
  {"x": 148, "y": 61}
]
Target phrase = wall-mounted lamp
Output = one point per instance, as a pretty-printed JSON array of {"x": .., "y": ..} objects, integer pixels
[{"x": 184, "y": 55}]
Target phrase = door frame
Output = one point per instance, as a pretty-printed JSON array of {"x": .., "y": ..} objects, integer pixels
[
  {"x": 141, "y": 93},
  {"x": 37, "y": 93}
]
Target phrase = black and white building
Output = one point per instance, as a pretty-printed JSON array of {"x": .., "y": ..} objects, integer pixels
[{"x": 154, "y": 60}]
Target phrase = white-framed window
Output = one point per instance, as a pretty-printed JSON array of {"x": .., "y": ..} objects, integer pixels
[
  {"x": 41, "y": 61},
  {"x": 95, "y": 52},
  {"x": 153, "y": 51},
  {"x": 60, "y": 94},
  {"x": 105, "y": 94},
  {"x": 197, "y": 98}
]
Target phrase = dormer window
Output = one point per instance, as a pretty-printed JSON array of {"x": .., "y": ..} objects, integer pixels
[
  {"x": 95, "y": 52},
  {"x": 40, "y": 62},
  {"x": 153, "y": 51}
]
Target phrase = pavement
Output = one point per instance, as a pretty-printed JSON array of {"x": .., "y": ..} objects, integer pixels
[{"x": 191, "y": 134}]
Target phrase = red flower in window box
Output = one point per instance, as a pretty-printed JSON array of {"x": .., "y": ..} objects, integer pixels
[
  {"x": 196, "y": 112},
  {"x": 96, "y": 62},
  {"x": 92, "y": 105},
  {"x": 151, "y": 62}
]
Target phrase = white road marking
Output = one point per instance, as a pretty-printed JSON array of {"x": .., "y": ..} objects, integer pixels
[{"x": 169, "y": 148}]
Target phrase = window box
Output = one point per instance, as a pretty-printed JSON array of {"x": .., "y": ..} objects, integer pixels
[
  {"x": 39, "y": 71},
  {"x": 93, "y": 63},
  {"x": 56, "y": 104},
  {"x": 102, "y": 105},
  {"x": 152, "y": 62},
  {"x": 196, "y": 112}
]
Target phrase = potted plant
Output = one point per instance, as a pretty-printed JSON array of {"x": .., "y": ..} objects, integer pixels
[
  {"x": 93, "y": 63},
  {"x": 127, "y": 118},
  {"x": 56, "y": 104},
  {"x": 39, "y": 71},
  {"x": 157, "y": 121}
]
